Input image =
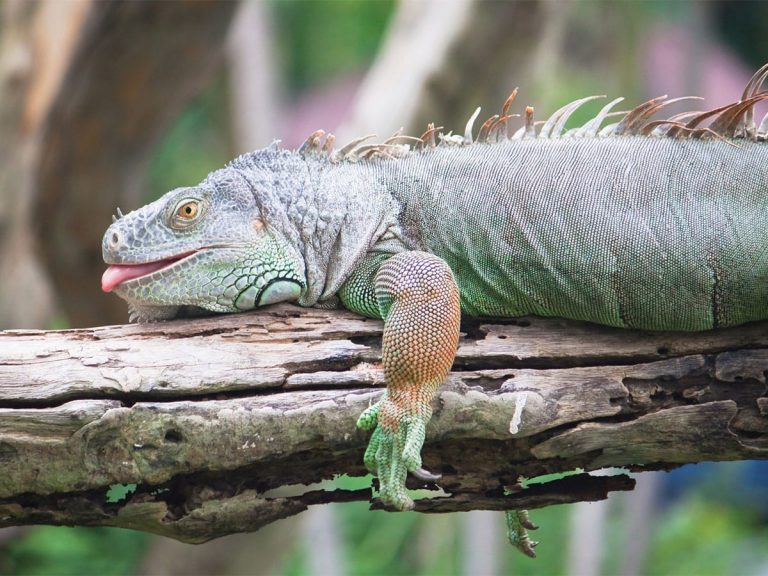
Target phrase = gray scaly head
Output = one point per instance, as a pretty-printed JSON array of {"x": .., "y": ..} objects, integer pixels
[
  {"x": 208, "y": 246},
  {"x": 272, "y": 226}
]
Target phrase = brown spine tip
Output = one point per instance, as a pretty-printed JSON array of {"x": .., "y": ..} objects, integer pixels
[
  {"x": 486, "y": 127},
  {"x": 508, "y": 103},
  {"x": 328, "y": 146},
  {"x": 530, "y": 124}
]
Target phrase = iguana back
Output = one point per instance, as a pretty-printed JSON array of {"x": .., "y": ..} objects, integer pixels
[{"x": 632, "y": 231}]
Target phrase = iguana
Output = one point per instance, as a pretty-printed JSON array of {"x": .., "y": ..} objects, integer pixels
[{"x": 640, "y": 223}]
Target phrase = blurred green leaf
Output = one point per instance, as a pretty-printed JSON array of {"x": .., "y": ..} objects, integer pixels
[
  {"x": 55, "y": 551},
  {"x": 319, "y": 39}
]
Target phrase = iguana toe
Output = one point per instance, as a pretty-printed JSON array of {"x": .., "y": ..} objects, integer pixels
[{"x": 370, "y": 416}]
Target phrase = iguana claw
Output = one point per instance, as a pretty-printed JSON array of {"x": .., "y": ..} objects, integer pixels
[{"x": 425, "y": 475}]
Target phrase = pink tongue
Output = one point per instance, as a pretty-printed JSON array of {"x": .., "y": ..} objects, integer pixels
[{"x": 118, "y": 273}]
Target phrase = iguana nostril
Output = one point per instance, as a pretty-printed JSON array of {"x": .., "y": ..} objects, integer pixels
[{"x": 115, "y": 238}]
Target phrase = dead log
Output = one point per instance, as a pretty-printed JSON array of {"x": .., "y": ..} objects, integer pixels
[{"x": 226, "y": 424}]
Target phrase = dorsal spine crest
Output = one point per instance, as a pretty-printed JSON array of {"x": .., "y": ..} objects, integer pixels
[{"x": 733, "y": 121}]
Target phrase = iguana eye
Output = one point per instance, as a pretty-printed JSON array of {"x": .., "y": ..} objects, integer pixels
[{"x": 187, "y": 212}]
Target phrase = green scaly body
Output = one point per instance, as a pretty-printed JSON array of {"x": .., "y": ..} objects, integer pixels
[{"x": 631, "y": 232}]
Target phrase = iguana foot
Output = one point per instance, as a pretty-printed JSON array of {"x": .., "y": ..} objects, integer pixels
[
  {"x": 395, "y": 449},
  {"x": 518, "y": 525}
]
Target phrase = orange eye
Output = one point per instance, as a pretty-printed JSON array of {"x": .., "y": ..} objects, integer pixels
[{"x": 187, "y": 211}]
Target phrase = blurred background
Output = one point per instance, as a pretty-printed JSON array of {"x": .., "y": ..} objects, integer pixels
[{"x": 106, "y": 104}]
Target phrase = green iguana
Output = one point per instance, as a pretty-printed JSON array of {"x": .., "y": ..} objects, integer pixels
[{"x": 649, "y": 224}]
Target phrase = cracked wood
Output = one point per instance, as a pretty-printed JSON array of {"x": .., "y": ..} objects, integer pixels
[{"x": 212, "y": 418}]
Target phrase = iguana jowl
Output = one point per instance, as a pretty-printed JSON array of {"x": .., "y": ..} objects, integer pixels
[{"x": 649, "y": 224}]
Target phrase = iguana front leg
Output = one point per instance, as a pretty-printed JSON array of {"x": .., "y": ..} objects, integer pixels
[{"x": 416, "y": 295}]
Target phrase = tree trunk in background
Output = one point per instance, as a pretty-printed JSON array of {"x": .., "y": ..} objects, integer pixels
[
  {"x": 641, "y": 514},
  {"x": 459, "y": 55},
  {"x": 32, "y": 55},
  {"x": 254, "y": 78},
  {"x": 134, "y": 66},
  {"x": 261, "y": 552}
]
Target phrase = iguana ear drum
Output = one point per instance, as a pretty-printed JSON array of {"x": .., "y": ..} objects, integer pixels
[{"x": 277, "y": 290}]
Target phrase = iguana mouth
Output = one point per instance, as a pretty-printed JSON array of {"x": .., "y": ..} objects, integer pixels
[{"x": 116, "y": 274}]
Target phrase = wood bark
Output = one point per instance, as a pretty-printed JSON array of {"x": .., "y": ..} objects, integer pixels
[{"x": 228, "y": 423}]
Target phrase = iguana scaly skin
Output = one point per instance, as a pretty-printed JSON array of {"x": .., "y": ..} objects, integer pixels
[{"x": 657, "y": 225}]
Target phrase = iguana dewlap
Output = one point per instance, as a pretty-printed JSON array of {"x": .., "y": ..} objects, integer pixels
[{"x": 650, "y": 224}]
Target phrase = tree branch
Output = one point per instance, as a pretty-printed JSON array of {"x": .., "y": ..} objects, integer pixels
[{"x": 219, "y": 421}]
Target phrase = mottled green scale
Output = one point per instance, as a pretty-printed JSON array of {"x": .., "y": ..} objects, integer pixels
[
  {"x": 358, "y": 293},
  {"x": 625, "y": 231}
]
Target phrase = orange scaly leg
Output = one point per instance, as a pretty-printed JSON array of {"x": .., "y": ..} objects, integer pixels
[{"x": 419, "y": 301}]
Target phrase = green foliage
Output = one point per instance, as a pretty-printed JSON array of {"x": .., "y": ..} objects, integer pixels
[
  {"x": 550, "y": 477},
  {"x": 317, "y": 40},
  {"x": 47, "y": 551},
  {"x": 378, "y": 542},
  {"x": 708, "y": 539},
  {"x": 198, "y": 143},
  {"x": 697, "y": 536},
  {"x": 742, "y": 26}
]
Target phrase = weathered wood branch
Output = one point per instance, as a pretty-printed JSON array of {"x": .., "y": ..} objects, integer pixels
[{"x": 219, "y": 421}]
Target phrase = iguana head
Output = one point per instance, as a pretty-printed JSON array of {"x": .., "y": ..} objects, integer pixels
[
  {"x": 210, "y": 246},
  {"x": 273, "y": 225}
]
